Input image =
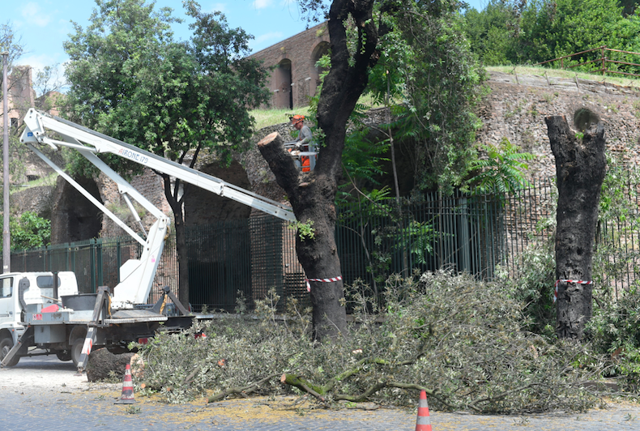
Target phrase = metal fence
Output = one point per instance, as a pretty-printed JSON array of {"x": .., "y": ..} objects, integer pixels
[{"x": 246, "y": 258}]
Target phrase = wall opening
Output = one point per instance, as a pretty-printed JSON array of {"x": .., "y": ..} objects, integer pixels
[
  {"x": 220, "y": 253},
  {"x": 283, "y": 93},
  {"x": 321, "y": 49},
  {"x": 74, "y": 218}
]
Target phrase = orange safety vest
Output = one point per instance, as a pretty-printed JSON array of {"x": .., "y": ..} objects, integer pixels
[{"x": 306, "y": 163}]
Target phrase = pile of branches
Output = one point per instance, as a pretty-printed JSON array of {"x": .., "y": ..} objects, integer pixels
[{"x": 461, "y": 340}]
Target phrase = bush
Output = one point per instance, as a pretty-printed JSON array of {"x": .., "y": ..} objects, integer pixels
[
  {"x": 532, "y": 283},
  {"x": 615, "y": 330},
  {"x": 463, "y": 341}
]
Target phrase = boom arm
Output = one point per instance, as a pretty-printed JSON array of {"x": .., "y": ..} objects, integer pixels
[{"x": 136, "y": 275}]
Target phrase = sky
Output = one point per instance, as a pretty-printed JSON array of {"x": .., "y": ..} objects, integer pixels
[{"x": 44, "y": 25}]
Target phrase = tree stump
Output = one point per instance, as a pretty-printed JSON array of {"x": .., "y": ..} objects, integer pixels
[
  {"x": 104, "y": 365},
  {"x": 580, "y": 170}
]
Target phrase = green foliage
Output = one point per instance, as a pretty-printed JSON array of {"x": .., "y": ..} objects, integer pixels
[
  {"x": 462, "y": 339},
  {"x": 513, "y": 32},
  {"x": 503, "y": 169},
  {"x": 427, "y": 62},
  {"x": 28, "y": 231},
  {"x": 305, "y": 230},
  {"x": 531, "y": 282},
  {"x": 491, "y": 31},
  {"x": 129, "y": 79}
]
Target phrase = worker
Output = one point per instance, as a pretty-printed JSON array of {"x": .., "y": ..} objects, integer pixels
[{"x": 304, "y": 143}]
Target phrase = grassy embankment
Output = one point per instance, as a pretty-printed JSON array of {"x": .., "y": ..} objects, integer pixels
[{"x": 565, "y": 73}]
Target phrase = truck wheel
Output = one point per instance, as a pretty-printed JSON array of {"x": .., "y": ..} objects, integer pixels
[
  {"x": 76, "y": 350},
  {"x": 63, "y": 355},
  {"x": 5, "y": 346}
]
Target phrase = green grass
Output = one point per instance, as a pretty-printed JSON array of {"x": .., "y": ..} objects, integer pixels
[
  {"x": 269, "y": 117},
  {"x": 565, "y": 73},
  {"x": 49, "y": 180}
]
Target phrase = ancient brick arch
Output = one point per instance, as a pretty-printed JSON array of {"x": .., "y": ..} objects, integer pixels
[
  {"x": 202, "y": 207},
  {"x": 73, "y": 217},
  {"x": 300, "y": 53}
]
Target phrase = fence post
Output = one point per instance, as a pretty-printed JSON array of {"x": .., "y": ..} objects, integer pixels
[
  {"x": 603, "y": 59},
  {"x": 99, "y": 261},
  {"x": 92, "y": 264},
  {"x": 119, "y": 257}
]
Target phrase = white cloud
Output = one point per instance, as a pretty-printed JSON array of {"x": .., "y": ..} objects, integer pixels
[
  {"x": 38, "y": 63},
  {"x": 262, "y": 4},
  {"x": 31, "y": 11}
]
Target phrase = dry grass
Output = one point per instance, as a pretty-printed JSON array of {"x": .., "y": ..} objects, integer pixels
[{"x": 565, "y": 73}]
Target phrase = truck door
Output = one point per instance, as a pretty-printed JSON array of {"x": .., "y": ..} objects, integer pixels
[{"x": 7, "y": 302}]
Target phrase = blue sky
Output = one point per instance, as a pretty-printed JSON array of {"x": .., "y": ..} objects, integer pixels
[{"x": 44, "y": 25}]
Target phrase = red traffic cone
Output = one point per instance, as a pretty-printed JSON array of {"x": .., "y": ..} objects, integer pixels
[
  {"x": 423, "y": 423},
  {"x": 127, "y": 388}
]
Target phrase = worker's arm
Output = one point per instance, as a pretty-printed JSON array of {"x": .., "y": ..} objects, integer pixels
[{"x": 304, "y": 136}]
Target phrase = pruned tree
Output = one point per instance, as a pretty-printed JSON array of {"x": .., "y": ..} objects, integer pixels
[
  {"x": 357, "y": 30},
  {"x": 129, "y": 79},
  {"x": 312, "y": 195},
  {"x": 580, "y": 169}
]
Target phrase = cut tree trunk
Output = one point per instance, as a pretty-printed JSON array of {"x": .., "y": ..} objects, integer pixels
[
  {"x": 580, "y": 168},
  {"x": 312, "y": 194},
  {"x": 104, "y": 365},
  {"x": 312, "y": 204}
]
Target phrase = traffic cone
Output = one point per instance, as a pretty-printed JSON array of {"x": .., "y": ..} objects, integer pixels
[
  {"x": 423, "y": 423},
  {"x": 127, "y": 388}
]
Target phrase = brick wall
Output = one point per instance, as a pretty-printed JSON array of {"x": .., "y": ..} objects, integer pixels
[{"x": 295, "y": 76}]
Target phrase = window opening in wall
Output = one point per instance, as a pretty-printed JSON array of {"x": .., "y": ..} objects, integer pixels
[
  {"x": 283, "y": 95},
  {"x": 321, "y": 49}
]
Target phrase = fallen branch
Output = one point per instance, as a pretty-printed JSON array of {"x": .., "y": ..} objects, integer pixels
[
  {"x": 363, "y": 396},
  {"x": 240, "y": 391},
  {"x": 304, "y": 385}
]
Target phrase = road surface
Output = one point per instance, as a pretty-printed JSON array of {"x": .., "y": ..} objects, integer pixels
[{"x": 43, "y": 393}]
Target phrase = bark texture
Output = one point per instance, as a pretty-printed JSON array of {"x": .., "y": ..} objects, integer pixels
[
  {"x": 580, "y": 167},
  {"x": 103, "y": 364},
  {"x": 312, "y": 194}
]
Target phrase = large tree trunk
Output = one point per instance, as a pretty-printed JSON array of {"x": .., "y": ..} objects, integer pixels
[
  {"x": 580, "y": 167},
  {"x": 314, "y": 202},
  {"x": 318, "y": 255}
]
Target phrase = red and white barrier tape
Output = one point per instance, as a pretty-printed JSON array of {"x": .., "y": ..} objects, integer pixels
[
  {"x": 322, "y": 280},
  {"x": 555, "y": 293}
]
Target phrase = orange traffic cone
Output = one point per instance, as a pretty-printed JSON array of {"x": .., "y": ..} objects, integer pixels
[
  {"x": 423, "y": 423},
  {"x": 127, "y": 388}
]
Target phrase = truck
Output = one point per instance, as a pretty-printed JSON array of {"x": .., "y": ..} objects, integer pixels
[{"x": 43, "y": 313}]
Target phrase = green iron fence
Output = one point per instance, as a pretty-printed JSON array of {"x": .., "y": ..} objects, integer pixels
[{"x": 248, "y": 257}]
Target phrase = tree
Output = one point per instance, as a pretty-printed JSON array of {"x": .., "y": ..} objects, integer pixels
[
  {"x": 492, "y": 31},
  {"x": 355, "y": 29},
  {"x": 29, "y": 231},
  {"x": 581, "y": 167},
  {"x": 10, "y": 42},
  {"x": 129, "y": 79},
  {"x": 314, "y": 204}
]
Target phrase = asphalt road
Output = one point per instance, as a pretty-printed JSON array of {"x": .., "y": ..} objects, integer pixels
[{"x": 45, "y": 394}]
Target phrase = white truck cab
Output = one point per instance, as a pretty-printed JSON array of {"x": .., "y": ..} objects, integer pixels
[{"x": 28, "y": 292}]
